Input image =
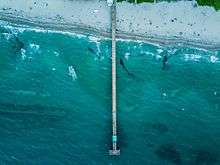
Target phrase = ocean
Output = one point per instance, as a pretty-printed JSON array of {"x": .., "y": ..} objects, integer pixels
[{"x": 55, "y": 101}]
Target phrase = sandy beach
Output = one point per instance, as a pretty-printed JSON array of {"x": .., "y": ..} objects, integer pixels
[{"x": 167, "y": 23}]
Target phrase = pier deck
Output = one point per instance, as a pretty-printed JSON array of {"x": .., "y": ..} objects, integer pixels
[{"x": 114, "y": 150}]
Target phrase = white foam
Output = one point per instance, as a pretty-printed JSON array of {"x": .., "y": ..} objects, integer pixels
[
  {"x": 213, "y": 59},
  {"x": 192, "y": 57},
  {"x": 127, "y": 55},
  {"x": 34, "y": 46},
  {"x": 7, "y": 36},
  {"x": 15, "y": 29},
  {"x": 158, "y": 57},
  {"x": 56, "y": 53},
  {"x": 94, "y": 39},
  {"x": 160, "y": 50}
]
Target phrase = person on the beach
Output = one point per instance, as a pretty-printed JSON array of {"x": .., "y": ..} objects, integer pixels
[{"x": 164, "y": 62}]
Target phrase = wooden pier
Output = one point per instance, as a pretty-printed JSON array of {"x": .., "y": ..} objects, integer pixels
[{"x": 114, "y": 150}]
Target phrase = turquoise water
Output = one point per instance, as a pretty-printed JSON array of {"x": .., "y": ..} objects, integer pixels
[{"x": 55, "y": 101}]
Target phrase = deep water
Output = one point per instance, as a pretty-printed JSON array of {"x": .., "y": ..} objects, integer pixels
[{"x": 55, "y": 101}]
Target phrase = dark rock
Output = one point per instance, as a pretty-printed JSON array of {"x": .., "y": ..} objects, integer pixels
[{"x": 170, "y": 153}]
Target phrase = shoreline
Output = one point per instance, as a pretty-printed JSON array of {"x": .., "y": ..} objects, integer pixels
[
  {"x": 147, "y": 22},
  {"x": 90, "y": 31}
]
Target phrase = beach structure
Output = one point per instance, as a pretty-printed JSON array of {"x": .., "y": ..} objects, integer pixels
[{"x": 114, "y": 150}]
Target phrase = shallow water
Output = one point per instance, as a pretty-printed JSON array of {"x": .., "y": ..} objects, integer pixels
[{"x": 52, "y": 114}]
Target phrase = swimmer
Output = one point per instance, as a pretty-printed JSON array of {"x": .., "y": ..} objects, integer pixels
[
  {"x": 165, "y": 62},
  {"x": 91, "y": 50},
  {"x": 18, "y": 45},
  {"x": 124, "y": 67}
]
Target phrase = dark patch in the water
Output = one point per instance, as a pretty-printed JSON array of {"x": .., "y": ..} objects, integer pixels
[
  {"x": 125, "y": 68},
  {"x": 91, "y": 50},
  {"x": 107, "y": 139},
  {"x": 122, "y": 141},
  {"x": 37, "y": 110},
  {"x": 169, "y": 152},
  {"x": 160, "y": 127},
  {"x": 165, "y": 62},
  {"x": 3, "y": 30},
  {"x": 18, "y": 45},
  {"x": 23, "y": 118},
  {"x": 150, "y": 145},
  {"x": 204, "y": 157}
]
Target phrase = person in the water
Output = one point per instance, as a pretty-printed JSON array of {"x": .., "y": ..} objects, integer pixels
[
  {"x": 91, "y": 50},
  {"x": 125, "y": 68},
  {"x": 18, "y": 45},
  {"x": 165, "y": 62}
]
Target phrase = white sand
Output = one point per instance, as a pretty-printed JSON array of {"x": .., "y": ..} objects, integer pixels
[{"x": 162, "y": 21}]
